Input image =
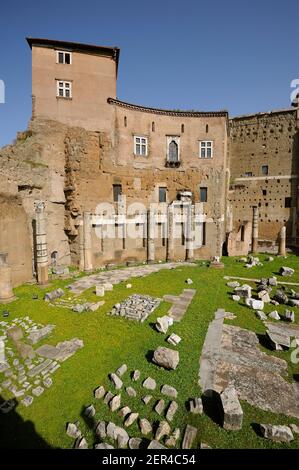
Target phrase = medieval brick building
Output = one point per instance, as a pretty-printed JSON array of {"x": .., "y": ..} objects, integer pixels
[{"x": 178, "y": 184}]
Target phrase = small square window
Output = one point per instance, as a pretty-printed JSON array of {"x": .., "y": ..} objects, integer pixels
[
  {"x": 203, "y": 194},
  {"x": 162, "y": 194},
  {"x": 265, "y": 170},
  {"x": 64, "y": 57}
]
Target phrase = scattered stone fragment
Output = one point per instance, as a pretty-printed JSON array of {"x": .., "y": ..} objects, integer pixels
[
  {"x": 254, "y": 303},
  {"x": 27, "y": 401},
  {"x": 272, "y": 281},
  {"x": 117, "y": 382},
  {"x": 243, "y": 291},
  {"x": 81, "y": 443},
  {"x": 169, "y": 391},
  {"x": 233, "y": 284},
  {"x": 159, "y": 407},
  {"x": 294, "y": 302},
  {"x": 131, "y": 419},
  {"x": 38, "y": 391},
  {"x": 129, "y": 286},
  {"x": 136, "y": 375},
  {"x": 156, "y": 445},
  {"x": 131, "y": 392},
  {"x": 294, "y": 428},
  {"x": 277, "y": 433},
  {"x": 101, "y": 429},
  {"x": 285, "y": 271},
  {"x": 121, "y": 436},
  {"x": 281, "y": 297},
  {"x": 172, "y": 439},
  {"x": 278, "y": 340},
  {"x": 172, "y": 409},
  {"x": 135, "y": 443},
  {"x": 99, "y": 392},
  {"x": 149, "y": 383},
  {"x": 261, "y": 315},
  {"x": 90, "y": 411},
  {"x": 163, "y": 323},
  {"x": 108, "y": 286},
  {"x": 114, "y": 403},
  {"x": 196, "y": 406},
  {"x": 232, "y": 411},
  {"x": 264, "y": 296},
  {"x": 48, "y": 382},
  {"x": 274, "y": 315},
  {"x": 103, "y": 445},
  {"x": 37, "y": 335},
  {"x": 146, "y": 399},
  {"x": 55, "y": 294},
  {"x": 145, "y": 426},
  {"x": 110, "y": 430},
  {"x": 189, "y": 437},
  {"x": 73, "y": 431},
  {"x": 290, "y": 316},
  {"x": 124, "y": 411},
  {"x": 167, "y": 358},
  {"x": 189, "y": 281},
  {"x": 204, "y": 445},
  {"x": 100, "y": 291},
  {"x": 174, "y": 339},
  {"x": 163, "y": 430},
  {"x": 236, "y": 298},
  {"x": 122, "y": 370}
]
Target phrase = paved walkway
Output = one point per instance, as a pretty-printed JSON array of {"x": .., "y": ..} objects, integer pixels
[
  {"x": 115, "y": 276},
  {"x": 180, "y": 303}
]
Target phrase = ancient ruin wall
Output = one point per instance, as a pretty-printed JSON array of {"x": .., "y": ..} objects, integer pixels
[{"x": 259, "y": 144}]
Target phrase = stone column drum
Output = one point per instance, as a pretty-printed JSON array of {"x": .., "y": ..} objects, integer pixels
[
  {"x": 282, "y": 242},
  {"x": 41, "y": 242},
  {"x": 6, "y": 293},
  {"x": 255, "y": 229}
]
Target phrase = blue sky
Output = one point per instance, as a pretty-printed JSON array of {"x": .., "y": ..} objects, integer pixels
[{"x": 207, "y": 55}]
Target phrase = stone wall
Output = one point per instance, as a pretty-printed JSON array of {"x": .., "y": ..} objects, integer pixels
[{"x": 264, "y": 173}]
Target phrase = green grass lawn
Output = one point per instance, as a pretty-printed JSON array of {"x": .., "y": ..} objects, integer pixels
[{"x": 112, "y": 341}]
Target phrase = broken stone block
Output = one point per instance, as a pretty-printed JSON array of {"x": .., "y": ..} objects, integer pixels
[
  {"x": 243, "y": 291},
  {"x": 159, "y": 407},
  {"x": 272, "y": 281},
  {"x": 189, "y": 437},
  {"x": 108, "y": 286},
  {"x": 100, "y": 291},
  {"x": 172, "y": 409},
  {"x": 277, "y": 433},
  {"x": 149, "y": 383},
  {"x": 278, "y": 340},
  {"x": 174, "y": 339},
  {"x": 117, "y": 382},
  {"x": 90, "y": 411},
  {"x": 196, "y": 406},
  {"x": 81, "y": 443},
  {"x": 147, "y": 399},
  {"x": 264, "y": 296},
  {"x": 100, "y": 429},
  {"x": 294, "y": 302},
  {"x": 163, "y": 323},
  {"x": 204, "y": 445},
  {"x": 189, "y": 281},
  {"x": 290, "y": 316},
  {"x": 172, "y": 439},
  {"x": 233, "y": 284},
  {"x": 274, "y": 315},
  {"x": 114, "y": 403},
  {"x": 136, "y": 375},
  {"x": 55, "y": 294},
  {"x": 121, "y": 436},
  {"x": 236, "y": 298},
  {"x": 294, "y": 428},
  {"x": 99, "y": 392},
  {"x": 163, "y": 430},
  {"x": 48, "y": 382},
  {"x": 131, "y": 392},
  {"x": 285, "y": 271},
  {"x": 145, "y": 426},
  {"x": 261, "y": 315},
  {"x": 131, "y": 419},
  {"x": 38, "y": 391},
  {"x": 124, "y": 411},
  {"x": 156, "y": 445},
  {"x": 73, "y": 431},
  {"x": 254, "y": 304},
  {"x": 281, "y": 297},
  {"x": 110, "y": 430},
  {"x": 108, "y": 397},
  {"x": 135, "y": 443},
  {"x": 103, "y": 445},
  {"x": 129, "y": 286},
  {"x": 232, "y": 411},
  {"x": 122, "y": 370},
  {"x": 169, "y": 391},
  {"x": 167, "y": 358}
]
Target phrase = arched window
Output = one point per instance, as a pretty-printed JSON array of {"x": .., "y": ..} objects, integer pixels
[
  {"x": 54, "y": 258},
  {"x": 182, "y": 128},
  {"x": 173, "y": 152},
  {"x": 153, "y": 127},
  {"x": 125, "y": 121}
]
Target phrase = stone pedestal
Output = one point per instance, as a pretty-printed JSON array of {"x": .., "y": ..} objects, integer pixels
[
  {"x": 282, "y": 242},
  {"x": 6, "y": 293},
  {"x": 255, "y": 229},
  {"x": 41, "y": 243},
  {"x": 216, "y": 263}
]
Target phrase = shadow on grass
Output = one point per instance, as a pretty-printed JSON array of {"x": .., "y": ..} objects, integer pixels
[
  {"x": 90, "y": 421},
  {"x": 264, "y": 341},
  {"x": 212, "y": 406},
  {"x": 15, "y": 433},
  {"x": 257, "y": 429},
  {"x": 149, "y": 356}
]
